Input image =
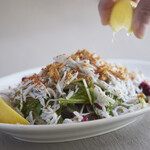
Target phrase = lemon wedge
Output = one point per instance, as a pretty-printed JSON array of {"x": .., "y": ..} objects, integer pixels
[
  {"x": 9, "y": 115},
  {"x": 122, "y": 15}
]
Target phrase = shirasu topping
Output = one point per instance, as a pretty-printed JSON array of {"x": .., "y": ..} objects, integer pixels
[{"x": 77, "y": 88}]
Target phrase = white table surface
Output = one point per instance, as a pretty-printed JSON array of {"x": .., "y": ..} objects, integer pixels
[{"x": 34, "y": 31}]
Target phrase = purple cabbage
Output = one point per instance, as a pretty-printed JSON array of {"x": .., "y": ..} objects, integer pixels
[
  {"x": 98, "y": 106},
  {"x": 23, "y": 78},
  {"x": 145, "y": 88},
  {"x": 85, "y": 119}
]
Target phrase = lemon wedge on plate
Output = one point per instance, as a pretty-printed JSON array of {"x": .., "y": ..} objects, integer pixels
[
  {"x": 122, "y": 15},
  {"x": 9, "y": 115}
]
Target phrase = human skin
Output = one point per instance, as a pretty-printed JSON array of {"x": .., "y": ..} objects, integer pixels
[{"x": 141, "y": 18}]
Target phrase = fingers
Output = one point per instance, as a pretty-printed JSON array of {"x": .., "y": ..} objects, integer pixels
[
  {"x": 105, "y": 7},
  {"x": 141, "y": 18}
]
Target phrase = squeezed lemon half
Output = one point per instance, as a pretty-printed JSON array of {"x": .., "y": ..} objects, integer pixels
[
  {"x": 9, "y": 115},
  {"x": 122, "y": 15}
]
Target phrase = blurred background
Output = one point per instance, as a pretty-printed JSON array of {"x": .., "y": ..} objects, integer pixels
[{"x": 32, "y": 32}]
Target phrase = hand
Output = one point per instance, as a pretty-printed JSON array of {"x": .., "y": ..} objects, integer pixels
[{"x": 141, "y": 18}]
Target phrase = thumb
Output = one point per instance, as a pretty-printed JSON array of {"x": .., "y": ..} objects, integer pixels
[{"x": 141, "y": 18}]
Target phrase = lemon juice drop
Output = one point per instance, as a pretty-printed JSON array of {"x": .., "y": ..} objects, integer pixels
[{"x": 114, "y": 37}]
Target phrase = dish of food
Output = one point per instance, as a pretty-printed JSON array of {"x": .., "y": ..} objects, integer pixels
[
  {"x": 76, "y": 93},
  {"x": 78, "y": 88}
]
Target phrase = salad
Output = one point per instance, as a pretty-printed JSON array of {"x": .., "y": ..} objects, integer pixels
[{"x": 78, "y": 88}]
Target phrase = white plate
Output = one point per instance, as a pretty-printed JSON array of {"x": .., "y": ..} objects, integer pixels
[{"x": 69, "y": 132}]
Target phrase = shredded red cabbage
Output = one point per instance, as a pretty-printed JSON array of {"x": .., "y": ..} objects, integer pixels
[{"x": 145, "y": 88}]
